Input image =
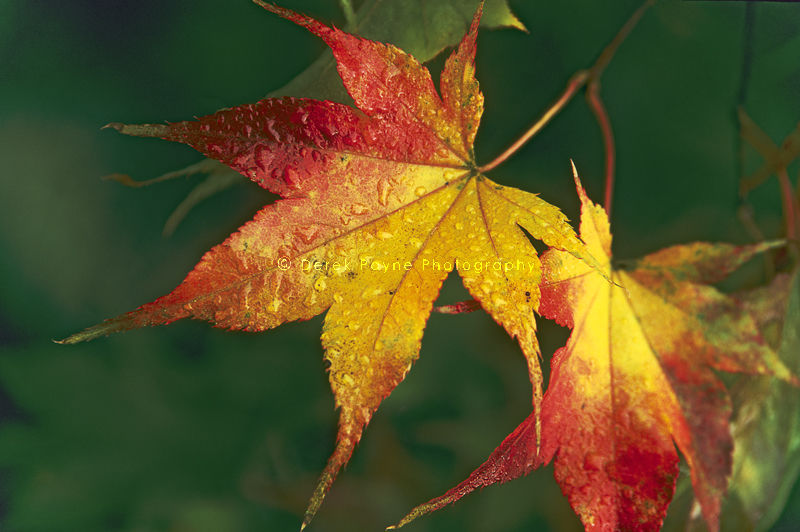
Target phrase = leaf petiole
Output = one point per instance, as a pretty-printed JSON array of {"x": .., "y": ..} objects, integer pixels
[
  {"x": 590, "y": 78},
  {"x": 578, "y": 80}
]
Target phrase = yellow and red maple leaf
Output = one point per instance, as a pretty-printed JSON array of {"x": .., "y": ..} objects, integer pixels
[
  {"x": 635, "y": 378},
  {"x": 379, "y": 204}
]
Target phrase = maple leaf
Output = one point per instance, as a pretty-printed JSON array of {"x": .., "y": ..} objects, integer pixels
[
  {"x": 379, "y": 204},
  {"x": 636, "y": 374}
]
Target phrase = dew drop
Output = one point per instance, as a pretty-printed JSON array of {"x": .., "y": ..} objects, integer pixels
[
  {"x": 310, "y": 299},
  {"x": 498, "y": 301},
  {"x": 274, "y": 306},
  {"x": 291, "y": 177},
  {"x": 420, "y": 191},
  {"x": 383, "y": 192},
  {"x": 592, "y": 462},
  {"x": 307, "y": 234},
  {"x": 273, "y": 131},
  {"x": 357, "y": 209}
]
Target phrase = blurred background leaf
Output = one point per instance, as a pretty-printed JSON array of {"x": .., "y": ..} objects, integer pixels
[
  {"x": 767, "y": 427},
  {"x": 187, "y": 428}
]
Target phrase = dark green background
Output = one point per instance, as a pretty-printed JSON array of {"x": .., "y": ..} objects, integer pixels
[{"x": 187, "y": 428}]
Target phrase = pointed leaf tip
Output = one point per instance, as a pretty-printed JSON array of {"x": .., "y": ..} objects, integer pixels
[
  {"x": 516, "y": 456},
  {"x": 298, "y": 18},
  {"x": 578, "y": 184},
  {"x": 101, "y": 329},
  {"x": 140, "y": 130},
  {"x": 340, "y": 456},
  {"x": 587, "y": 203}
]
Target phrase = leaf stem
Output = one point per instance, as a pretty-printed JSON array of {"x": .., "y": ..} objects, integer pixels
[
  {"x": 601, "y": 115},
  {"x": 578, "y": 80},
  {"x": 608, "y": 52}
]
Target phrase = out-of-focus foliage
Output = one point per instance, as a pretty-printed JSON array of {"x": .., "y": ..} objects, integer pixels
[{"x": 767, "y": 428}]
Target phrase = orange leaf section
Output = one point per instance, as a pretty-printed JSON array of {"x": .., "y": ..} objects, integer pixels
[
  {"x": 379, "y": 204},
  {"x": 636, "y": 375}
]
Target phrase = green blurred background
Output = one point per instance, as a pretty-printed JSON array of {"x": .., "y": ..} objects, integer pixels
[{"x": 188, "y": 428}]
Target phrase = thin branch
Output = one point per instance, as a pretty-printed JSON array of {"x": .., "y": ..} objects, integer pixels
[
  {"x": 608, "y": 52},
  {"x": 578, "y": 80},
  {"x": 601, "y": 115}
]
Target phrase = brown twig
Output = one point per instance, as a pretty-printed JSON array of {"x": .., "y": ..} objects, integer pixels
[
  {"x": 608, "y": 52},
  {"x": 578, "y": 80}
]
